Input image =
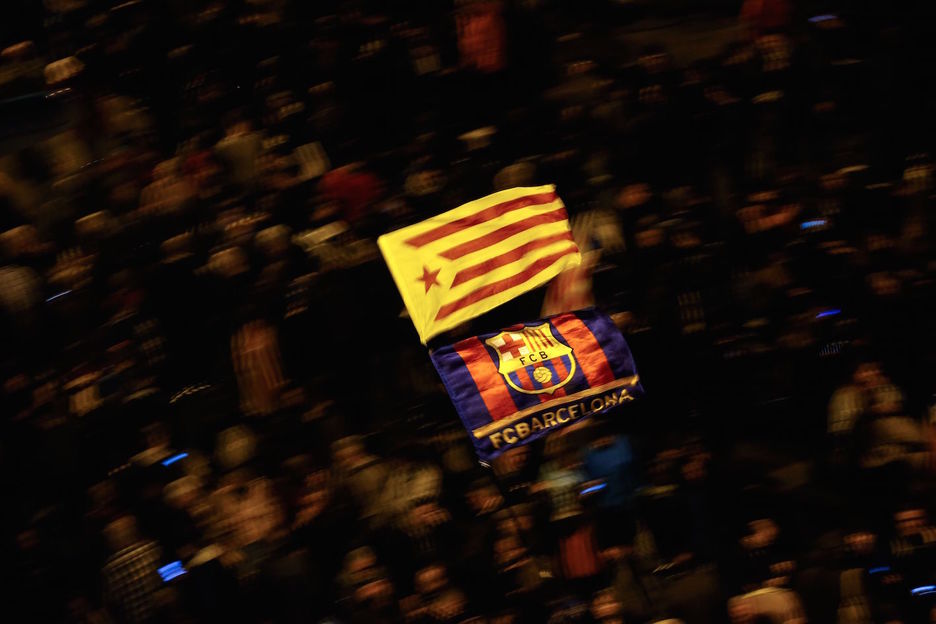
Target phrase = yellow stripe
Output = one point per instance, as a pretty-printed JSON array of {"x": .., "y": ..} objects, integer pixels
[
  {"x": 489, "y": 303},
  {"x": 406, "y": 255},
  {"x": 511, "y": 268},
  {"x": 406, "y": 268},
  {"x": 400, "y": 236},
  {"x": 477, "y": 231},
  {"x": 498, "y": 248},
  {"x": 406, "y": 263},
  {"x": 480, "y": 432}
]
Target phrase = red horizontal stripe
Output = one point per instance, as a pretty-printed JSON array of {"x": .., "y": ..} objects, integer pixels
[
  {"x": 501, "y": 285},
  {"x": 513, "y": 255},
  {"x": 492, "y": 238},
  {"x": 482, "y": 216}
]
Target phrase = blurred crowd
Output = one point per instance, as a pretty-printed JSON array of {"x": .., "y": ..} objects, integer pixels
[{"x": 216, "y": 410}]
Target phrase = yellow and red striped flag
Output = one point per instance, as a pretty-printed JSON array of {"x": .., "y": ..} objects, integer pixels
[{"x": 462, "y": 263}]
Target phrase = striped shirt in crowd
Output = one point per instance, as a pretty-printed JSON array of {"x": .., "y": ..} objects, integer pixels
[{"x": 131, "y": 578}]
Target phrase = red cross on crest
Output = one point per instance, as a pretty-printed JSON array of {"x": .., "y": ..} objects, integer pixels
[
  {"x": 532, "y": 360},
  {"x": 512, "y": 345}
]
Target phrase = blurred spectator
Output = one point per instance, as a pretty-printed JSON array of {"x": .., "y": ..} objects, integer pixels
[{"x": 130, "y": 578}]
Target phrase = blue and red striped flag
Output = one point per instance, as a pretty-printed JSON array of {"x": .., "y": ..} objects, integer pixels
[{"x": 513, "y": 386}]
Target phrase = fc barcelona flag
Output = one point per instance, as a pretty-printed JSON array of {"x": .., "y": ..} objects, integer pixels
[{"x": 515, "y": 385}]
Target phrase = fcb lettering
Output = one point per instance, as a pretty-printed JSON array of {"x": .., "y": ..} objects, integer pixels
[
  {"x": 532, "y": 360},
  {"x": 513, "y": 386}
]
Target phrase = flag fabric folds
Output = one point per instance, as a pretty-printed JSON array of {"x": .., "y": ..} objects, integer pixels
[
  {"x": 572, "y": 289},
  {"x": 462, "y": 263},
  {"x": 513, "y": 386}
]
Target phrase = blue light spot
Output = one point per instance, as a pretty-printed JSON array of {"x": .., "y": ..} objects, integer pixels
[
  {"x": 594, "y": 488},
  {"x": 923, "y": 589},
  {"x": 879, "y": 569},
  {"x": 815, "y": 19},
  {"x": 805, "y": 225},
  {"x": 825, "y": 313},
  {"x": 171, "y": 460},
  {"x": 171, "y": 571}
]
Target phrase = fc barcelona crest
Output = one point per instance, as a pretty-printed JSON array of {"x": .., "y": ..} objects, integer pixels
[{"x": 532, "y": 360}]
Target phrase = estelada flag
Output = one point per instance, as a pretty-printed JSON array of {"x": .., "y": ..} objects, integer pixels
[
  {"x": 462, "y": 263},
  {"x": 521, "y": 383}
]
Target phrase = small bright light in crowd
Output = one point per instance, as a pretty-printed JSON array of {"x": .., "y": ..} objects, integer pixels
[
  {"x": 57, "y": 295},
  {"x": 171, "y": 460},
  {"x": 171, "y": 571},
  {"x": 805, "y": 225},
  {"x": 594, "y": 488},
  {"x": 815, "y": 19},
  {"x": 923, "y": 589},
  {"x": 825, "y": 313},
  {"x": 879, "y": 569}
]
